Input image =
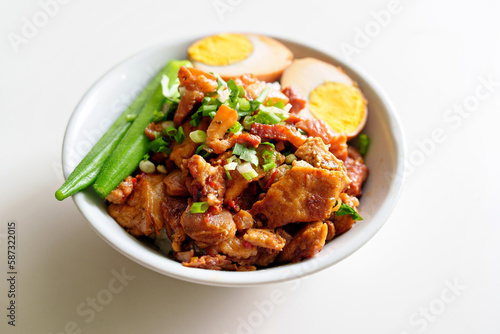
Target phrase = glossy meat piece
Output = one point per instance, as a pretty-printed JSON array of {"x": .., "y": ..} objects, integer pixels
[
  {"x": 315, "y": 152},
  {"x": 306, "y": 243},
  {"x": 124, "y": 189},
  {"x": 278, "y": 132},
  {"x": 216, "y": 262},
  {"x": 141, "y": 214},
  {"x": 224, "y": 119},
  {"x": 209, "y": 228},
  {"x": 208, "y": 179},
  {"x": 264, "y": 238},
  {"x": 236, "y": 248},
  {"x": 187, "y": 148},
  {"x": 331, "y": 230},
  {"x": 319, "y": 128},
  {"x": 172, "y": 209},
  {"x": 153, "y": 130},
  {"x": 296, "y": 100},
  {"x": 243, "y": 220},
  {"x": 357, "y": 172},
  {"x": 254, "y": 87},
  {"x": 175, "y": 183},
  {"x": 304, "y": 194},
  {"x": 344, "y": 223},
  {"x": 194, "y": 84}
]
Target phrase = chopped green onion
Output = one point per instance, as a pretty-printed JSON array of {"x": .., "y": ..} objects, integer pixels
[
  {"x": 198, "y": 136},
  {"x": 280, "y": 104},
  {"x": 159, "y": 145},
  {"x": 170, "y": 131},
  {"x": 244, "y": 104},
  {"x": 229, "y": 177},
  {"x": 348, "y": 210},
  {"x": 290, "y": 158},
  {"x": 246, "y": 170},
  {"x": 241, "y": 91},
  {"x": 247, "y": 122},
  {"x": 302, "y": 132},
  {"x": 231, "y": 166},
  {"x": 363, "y": 144},
  {"x": 262, "y": 96},
  {"x": 270, "y": 144},
  {"x": 199, "y": 207},
  {"x": 158, "y": 116},
  {"x": 131, "y": 118},
  {"x": 202, "y": 148},
  {"x": 236, "y": 128},
  {"x": 268, "y": 166},
  {"x": 247, "y": 154},
  {"x": 180, "y": 136}
]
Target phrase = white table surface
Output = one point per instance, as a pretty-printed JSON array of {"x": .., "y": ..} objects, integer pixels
[{"x": 434, "y": 266}]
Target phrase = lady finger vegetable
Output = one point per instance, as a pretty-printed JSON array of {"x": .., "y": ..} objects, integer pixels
[
  {"x": 87, "y": 170},
  {"x": 134, "y": 144}
]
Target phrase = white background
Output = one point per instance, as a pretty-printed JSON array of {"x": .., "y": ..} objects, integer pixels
[{"x": 429, "y": 56}]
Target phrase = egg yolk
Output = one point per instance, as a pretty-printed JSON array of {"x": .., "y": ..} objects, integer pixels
[
  {"x": 340, "y": 106},
  {"x": 222, "y": 49}
]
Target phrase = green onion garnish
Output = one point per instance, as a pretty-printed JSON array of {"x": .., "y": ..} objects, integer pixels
[
  {"x": 363, "y": 144},
  {"x": 198, "y": 136},
  {"x": 199, "y": 207},
  {"x": 348, "y": 210},
  {"x": 290, "y": 158},
  {"x": 246, "y": 170}
]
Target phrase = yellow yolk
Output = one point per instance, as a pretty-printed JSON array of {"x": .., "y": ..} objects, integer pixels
[
  {"x": 222, "y": 49},
  {"x": 340, "y": 106}
]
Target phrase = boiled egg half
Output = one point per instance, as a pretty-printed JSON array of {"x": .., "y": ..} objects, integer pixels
[
  {"x": 330, "y": 93},
  {"x": 232, "y": 55}
]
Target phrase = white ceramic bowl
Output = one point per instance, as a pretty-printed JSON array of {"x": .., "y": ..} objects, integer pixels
[{"x": 110, "y": 95}]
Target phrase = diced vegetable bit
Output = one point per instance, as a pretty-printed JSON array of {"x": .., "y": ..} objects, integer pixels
[
  {"x": 201, "y": 150},
  {"x": 162, "y": 169},
  {"x": 176, "y": 134},
  {"x": 230, "y": 166},
  {"x": 269, "y": 162},
  {"x": 147, "y": 166},
  {"x": 228, "y": 174},
  {"x": 247, "y": 154},
  {"x": 159, "y": 116},
  {"x": 159, "y": 145},
  {"x": 302, "y": 132},
  {"x": 167, "y": 124},
  {"x": 170, "y": 88},
  {"x": 237, "y": 128},
  {"x": 198, "y": 136},
  {"x": 363, "y": 144},
  {"x": 290, "y": 158},
  {"x": 199, "y": 207},
  {"x": 348, "y": 210},
  {"x": 93, "y": 163},
  {"x": 131, "y": 117},
  {"x": 255, "y": 104},
  {"x": 246, "y": 170}
]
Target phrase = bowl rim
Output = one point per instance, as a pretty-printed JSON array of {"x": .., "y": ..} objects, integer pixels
[{"x": 132, "y": 248}]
